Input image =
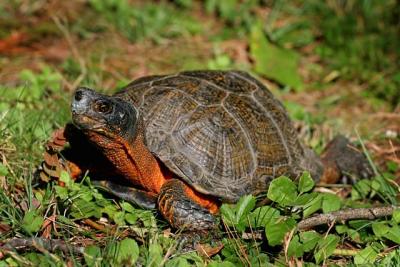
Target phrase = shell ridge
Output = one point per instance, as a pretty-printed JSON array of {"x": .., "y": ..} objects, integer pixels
[
  {"x": 241, "y": 76},
  {"x": 205, "y": 81},
  {"x": 284, "y": 143},
  {"x": 248, "y": 139}
]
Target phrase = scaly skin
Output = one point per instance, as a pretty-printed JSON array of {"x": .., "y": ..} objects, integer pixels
[{"x": 176, "y": 205}]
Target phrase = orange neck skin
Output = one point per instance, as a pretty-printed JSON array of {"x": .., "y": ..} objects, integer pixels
[
  {"x": 133, "y": 161},
  {"x": 138, "y": 165}
]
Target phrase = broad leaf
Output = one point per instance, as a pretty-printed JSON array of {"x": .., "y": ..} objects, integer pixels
[
  {"x": 396, "y": 216},
  {"x": 263, "y": 216},
  {"x": 314, "y": 205},
  {"x": 155, "y": 255},
  {"x": 295, "y": 247},
  {"x": 275, "y": 232},
  {"x": 127, "y": 252},
  {"x": 361, "y": 189},
  {"x": 304, "y": 199},
  {"x": 331, "y": 202},
  {"x": 366, "y": 256},
  {"x": 92, "y": 256},
  {"x": 380, "y": 228},
  {"x": 306, "y": 183},
  {"x": 309, "y": 240},
  {"x": 228, "y": 214},
  {"x": 394, "y": 234},
  {"x": 32, "y": 222},
  {"x": 283, "y": 191},
  {"x": 325, "y": 248},
  {"x": 274, "y": 62},
  {"x": 244, "y": 206}
]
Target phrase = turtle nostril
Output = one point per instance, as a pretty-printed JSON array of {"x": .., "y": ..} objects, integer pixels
[{"x": 78, "y": 96}]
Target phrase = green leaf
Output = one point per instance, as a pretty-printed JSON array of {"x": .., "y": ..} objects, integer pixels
[
  {"x": 64, "y": 177},
  {"x": 325, "y": 248},
  {"x": 263, "y": 216},
  {"x": 304, "y": 199},
  {"x": 393, "y": 234},
  {"x": 331, "y": 202},
  {"x": 306, "y": 183},
  {"x": 274, "y": 62},
  {"x": 127, "y": 252},
  {"x": 309, "y": 240},
  {"x": 92, "y": 256},
  {"x": 3, "y": 170},
  {"x": 178, "y": 262},
  {"x": 260, "y": 260},
  {"x": 380, "y": 228},
  {"x": 243, "y": 208},
  {"x": 37, "y": 259},
  {"x": 367, "y": 255},
  {"x": 131, "y": 218},
  {"x": 32, "y": 222},
  {"x": 61, "y": 192},
  {"x": 341, "y": 229},
  {"x": 236, "y": 215},
  {"x": 353, "y": 234},
  {"x": 119, "y": 218},
  {"x": 361, "y": 189},
  {"x": 295, "y": 247},
  {"x": 110, "y": 210},
  {"x": 155, "y": 255},
  {"x": 314, "y": 205},
  {"x": 276, "y": 232},
  {"x": 396, "y": 216},
  {"x": 85, "y": 209},
  {"x": 221, "y": 264},
  {"x": 282, "y": 190},
  {"x": 147, "y": 218},
  {"x": 392, "y": 166},
  {"x": 127, "y": 207},
  {"x": 228, "y": 214},
  {"x": 359, "y": 224}
]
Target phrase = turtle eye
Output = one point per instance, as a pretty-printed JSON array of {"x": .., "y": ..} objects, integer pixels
[{"x": 103, "y": 107}]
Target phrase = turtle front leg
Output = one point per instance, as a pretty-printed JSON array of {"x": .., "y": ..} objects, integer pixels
[
  {"x": 142, "y": 198},
  {"x": 176, "y": 203}
]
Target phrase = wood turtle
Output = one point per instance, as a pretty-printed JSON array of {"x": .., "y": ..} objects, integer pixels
[{"x": 188, "y": 142}]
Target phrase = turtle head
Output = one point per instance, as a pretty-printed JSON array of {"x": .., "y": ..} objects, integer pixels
[{"x": 108, "y": 116}]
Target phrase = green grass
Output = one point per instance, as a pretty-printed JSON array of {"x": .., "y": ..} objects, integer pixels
[{"x": 356, "y": 45}]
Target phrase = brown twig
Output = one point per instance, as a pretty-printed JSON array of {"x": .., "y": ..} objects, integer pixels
[
  {"x": 345, "y": 215},
  {"x": 386, "y": 115},
  {"x": 35, "y": 242}
]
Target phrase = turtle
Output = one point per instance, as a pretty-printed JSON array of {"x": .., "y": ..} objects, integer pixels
[{"x": 185, "y": 143}]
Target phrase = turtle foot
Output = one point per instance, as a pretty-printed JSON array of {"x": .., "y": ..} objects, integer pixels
[
  {"x": 181, "y": 211},
  {"x": 344, "y": 161}
]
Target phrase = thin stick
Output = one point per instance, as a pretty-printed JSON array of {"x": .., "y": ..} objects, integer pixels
[
  {"x": 345, "y": 215},
  {"x": 35, "y": 242}
]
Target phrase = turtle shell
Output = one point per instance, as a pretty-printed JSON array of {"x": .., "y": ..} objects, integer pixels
[{"x": 222, "y": 132}]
